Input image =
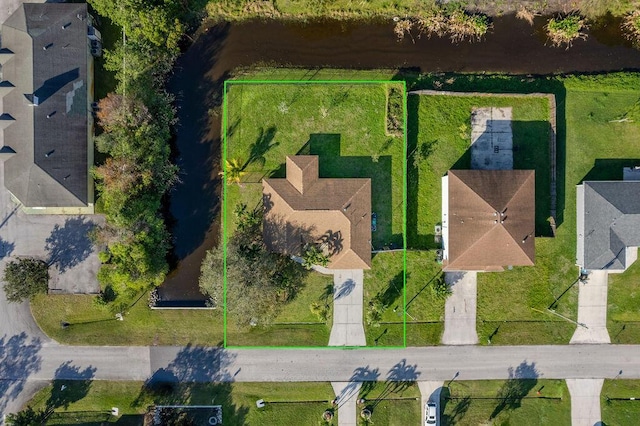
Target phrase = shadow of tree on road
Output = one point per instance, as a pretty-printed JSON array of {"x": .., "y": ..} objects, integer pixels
[
  {"x": 196, "y": 376},
  {"x": 19, "y": 358},
  {"x": 70, "y": 244},
  {"x": 70, "y": 384},
  {"x": 520, "y": 382},
  {"x": 6, "y": 248}
]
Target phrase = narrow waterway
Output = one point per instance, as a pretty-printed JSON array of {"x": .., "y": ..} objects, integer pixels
[{"x": 512, "y": 47}]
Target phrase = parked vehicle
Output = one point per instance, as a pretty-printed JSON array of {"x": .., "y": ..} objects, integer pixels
[{"x": 431, "y": 413}]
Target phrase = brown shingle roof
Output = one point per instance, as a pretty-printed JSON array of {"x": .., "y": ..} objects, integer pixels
[
  {"x": 303, "y": 208},
  {"x": 477, "y": 198}
]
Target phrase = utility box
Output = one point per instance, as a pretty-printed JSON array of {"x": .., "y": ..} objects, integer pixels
[{"x": 93, "y": 33}]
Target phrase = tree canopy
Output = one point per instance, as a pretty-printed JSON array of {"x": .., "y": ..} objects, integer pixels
[{"x": 24, "y": 278}]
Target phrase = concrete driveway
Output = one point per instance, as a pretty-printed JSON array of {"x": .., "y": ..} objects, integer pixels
[
  {"x": 592, "y": 310},
  {"x": 346, "y": 398},
  {"x": 347, "y": 329},
  {"x": 460, "y": 309},
  {"x": 585, "y": 401},
  {"x": 430, "y": 391}
]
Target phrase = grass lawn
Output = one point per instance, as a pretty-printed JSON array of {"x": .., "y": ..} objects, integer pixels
[
  {"x": 482, "y": 402},
  {"x": 391, "y": 403},
  {"x": 346, "y": 125},
  {"x": 425, "y": 312},
  {"x": 93, "y": 325},
  {"x": 623, "y": 314},
  {"x": 615, "y": 410},
  {"x": 299, "y": 403}
]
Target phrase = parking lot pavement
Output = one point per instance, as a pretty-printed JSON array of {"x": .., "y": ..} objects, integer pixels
[{"x": 460, "y": 309}]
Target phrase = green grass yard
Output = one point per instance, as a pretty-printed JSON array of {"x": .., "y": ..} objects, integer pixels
[
  {"x": 484, "y": 402},
  {"x": 425, "y": 312},
  {"x": 94, "y": 325},
  {"x": 299, "y": 403},
  {"x": 615, "y": 405},
  {"x": 623, "y": 314},
  {"x": 346, "y": 125},
  {"x": 393, "y": 404}
]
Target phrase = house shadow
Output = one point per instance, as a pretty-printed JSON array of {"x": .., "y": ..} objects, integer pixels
[
  {"x": 522, "y": 130},
  {"x": 609, "y": 168},
  {"x": 378, "y": 169}
]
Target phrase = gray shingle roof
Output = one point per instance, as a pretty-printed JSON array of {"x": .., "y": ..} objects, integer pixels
[
  {"x": 50, "y": 167},
  {"x": 611, "y": 222}
]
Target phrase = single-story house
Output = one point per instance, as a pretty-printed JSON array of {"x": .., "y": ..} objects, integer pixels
[
  {"x": 46, "y": 91},
  {"x": 608, "y": 224},
  {"x": 488, "y": 219},
  {"x": 304, "y": 208}
]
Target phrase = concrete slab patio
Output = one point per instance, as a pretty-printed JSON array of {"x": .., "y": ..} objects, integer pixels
[
  {"x": 585, "y": 401},
  {"x": 346, "y": 398},
  {"x": 347, "y": 329},
  {"x": 592, "y": 310},
  {"x": 460, "y": 309},
  {"x": 491, "y": 139}
]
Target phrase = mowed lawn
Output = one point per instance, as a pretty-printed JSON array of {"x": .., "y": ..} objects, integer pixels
[
  {"x": 91, "y": 324},
  {"x": 438, "y": 140},
  {"x": 425, "y": 311},
  {"x": 346, "y": 125},
  {"x": 623, "y": 314},
  {"x": 390, "y": 403},
  {"x": 506, "y": 402},
  {"x": 615, "y": 404},
  {"x": 88, "y": 402}
]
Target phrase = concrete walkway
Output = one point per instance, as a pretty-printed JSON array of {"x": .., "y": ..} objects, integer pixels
[
  {"x": 346, "y": 398},
  {"x": 460, "y": 309},
  {"x": 585, "y": 401},
  {"x": 430, "y": 391},
  {"x": 347, "y": 327},
  {"x": 592, "y": 310}
]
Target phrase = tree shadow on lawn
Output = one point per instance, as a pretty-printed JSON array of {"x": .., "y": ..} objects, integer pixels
[
  {"x": 489, "y": 84},
  {"x": 393, "y": 291},
  {"x": 70, "y": 384},
  {"x": 196, "y": 376},
  {"x": 520, "y": 382},
  {"x": 333, "y": 165}
]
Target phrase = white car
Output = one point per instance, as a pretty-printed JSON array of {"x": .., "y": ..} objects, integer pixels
[{"x": 431, "y": 415}]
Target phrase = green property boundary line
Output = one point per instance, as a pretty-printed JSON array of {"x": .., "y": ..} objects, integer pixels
[{"x": 225, "y": 114}]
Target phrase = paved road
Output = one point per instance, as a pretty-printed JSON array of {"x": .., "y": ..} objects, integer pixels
[{"x": 431, "y": 363}]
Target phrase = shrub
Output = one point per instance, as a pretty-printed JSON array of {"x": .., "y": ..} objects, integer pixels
[
  {"x": 631, "y": 27},
  {"x": 24, "y": 278},
  {"x": 565, "y": 30}
]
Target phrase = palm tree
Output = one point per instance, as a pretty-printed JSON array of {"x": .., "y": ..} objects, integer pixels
[{"x": 234, "y": 171}]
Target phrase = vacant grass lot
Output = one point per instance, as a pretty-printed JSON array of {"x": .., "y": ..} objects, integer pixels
[
  {"x": 299, "y": 403},
  {"x": 503, "y": 402},
  {"x": 615, "y": 405},
  {"x": 393, "y": 404},
  {"x": 425, "y": 312},
  {"x": 346, "y": 125},
  {"x": 94, "y": 325}
]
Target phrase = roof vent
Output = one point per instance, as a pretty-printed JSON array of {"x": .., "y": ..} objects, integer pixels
[{"x": 65, "y": 26}]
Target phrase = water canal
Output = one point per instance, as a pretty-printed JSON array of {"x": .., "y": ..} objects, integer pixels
[{"x": 512, "y": 47}]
